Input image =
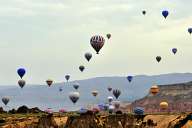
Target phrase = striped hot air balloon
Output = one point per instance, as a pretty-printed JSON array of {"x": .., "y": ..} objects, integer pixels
[{"x": 97, "y": 42}]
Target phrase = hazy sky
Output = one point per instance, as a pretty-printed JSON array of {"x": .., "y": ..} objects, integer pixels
[{"x": 49, "y": 38}]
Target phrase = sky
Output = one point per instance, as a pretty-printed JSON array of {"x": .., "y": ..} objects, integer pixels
[{"x": 49, "y": 38}]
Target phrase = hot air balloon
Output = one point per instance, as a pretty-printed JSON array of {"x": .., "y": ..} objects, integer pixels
[
  {"x": 158, "y": 58},
  {"x": 116, "y": 104},
  {"x": 5, "y": 100},
  {"x": 101, "y": 106},
  {"x": 83, "y": 110},
  {"x": 95, "y": 110},
  {"x": 76, "y": 86},
  {"x": 108, "y": 36},
  {"x": 138, "y": 110},
  {"x": 67, "y": 77},
  {"x": 62, "y": 110},
  {"x": 116, "y": 93},
  {"x": 163, "y": 105},
  {"x": 97, "y": 43},
  {"x": 21, "y": 72},
  {"x": 106, "y": 107},
  {"x": 174, "y": 50},
  {"x": 88, "y": 56},
  {"x": 94, "y": 93},
  {"x": 81, "y": 68},
  {"x": 143, "y": 12},
  {"x": 49, "y": 110},
  {"x": 165, "y": 13},
  {"x": 129, "y": 78},
  {"x": 49, "y": 82},
  {"x": 190, "y": 30},
  {"x": 74, "y": 96},
  {"x": 60, "y": 89},
  {"x": 21, "y": 83},
  {"x": 109, "y": 89},
  {"x": 110, "y": 99},
  {"x": 154, "y": 90},
  {"x": 111, "y": 108}
]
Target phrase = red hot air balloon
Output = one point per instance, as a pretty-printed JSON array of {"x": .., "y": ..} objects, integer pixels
[{"x": 97, "y": 43}]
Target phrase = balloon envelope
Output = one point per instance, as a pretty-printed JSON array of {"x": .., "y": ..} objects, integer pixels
[
  {"x": 154, "y": 90},
  {"x": 111, "y": 108},
  {"x": 83, "y": 110},
  {"x": 60, "y": 89},
  {"x": 174, "y": 50},
  {"x": 21, "y": 72},
  {"x": 164, "y": 105},
  {"x": 49, "y": 82},
  {"x": 190, "y": 30},
  {"x": 5, "y": 100},
  {"x": 74, "y": 96},
  {"x": 143, "y": 12},
  {"x": 76, "y": 86},
  {"x": 158, "y": 58},
  {"x": 62, "y": 110},
  {"x": 116, "y": 93},
  {"x": 81, "y": 68},
  {"x": 109, "y": 89},
  {"x": 101, "y": 106},
  {"x": 97, "y": 42},
  {"x": 110, "y": 99},
  {"x": 129, "y": 78},
  {"x": 116, "y": 104},
  {"x": 108, "y": 35},
  {"x": 94, "y": 93},
  {"x": 88, "y": 56},
  {"x": 67, "y": 77},
  {"x": 165, "y": 13},
  {"x": 139, "y": 111},
  {"x": 21, "y": 83}
]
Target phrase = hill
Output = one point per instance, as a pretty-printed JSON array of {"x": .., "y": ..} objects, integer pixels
[
  {"x": 43, "y": 96},
  {"x": 178, "y": 97}
]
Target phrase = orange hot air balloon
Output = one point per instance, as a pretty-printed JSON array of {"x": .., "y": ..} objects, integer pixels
[
  {"x": 164, "y": 105},
  {"x": 154, "y": 90},
  {"x": 49, "y": 82}
]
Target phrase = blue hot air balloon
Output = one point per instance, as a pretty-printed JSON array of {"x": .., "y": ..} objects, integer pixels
[
  {"x": 21, "y": 72},
  {"x": 83, "y": 110},
  {"x": 190, "y": 30},
  {"x": 60, "y": 89},
  {"x": 101, "y": 106},
  {"x": 139, "y": 110},
  {"x": 165, "y": 13},
  {"x": 129, "y": 78},
  {"x": 174, "y": 50}
]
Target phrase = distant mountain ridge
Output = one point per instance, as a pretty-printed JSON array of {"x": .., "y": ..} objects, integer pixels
[{"x": 43, "y": 96}]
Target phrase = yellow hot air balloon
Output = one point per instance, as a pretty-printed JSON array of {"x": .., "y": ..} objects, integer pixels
[
  {"x": 154, "y": 90},
  {"x": 164, "y": 105}
]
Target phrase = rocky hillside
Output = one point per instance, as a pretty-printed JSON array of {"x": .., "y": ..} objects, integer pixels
[
  {"x": 178, "y": 97},
  {"x": 98, "y": 121},
  {"x": 25, "y": 117}
]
